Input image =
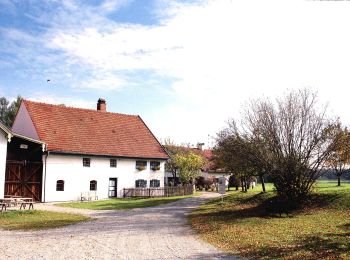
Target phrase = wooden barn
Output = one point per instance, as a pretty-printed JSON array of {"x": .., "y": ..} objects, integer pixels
[{"x": 23, "y": 159}]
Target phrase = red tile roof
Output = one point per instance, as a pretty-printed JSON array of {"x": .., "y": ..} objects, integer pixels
[{"x": 85, "y": 131}]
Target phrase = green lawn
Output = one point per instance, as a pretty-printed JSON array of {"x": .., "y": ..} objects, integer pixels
[
  {"x": 128, "y": 203},
  {"x": 240, "y": 226},
  {"x": 37, "y": 219}
]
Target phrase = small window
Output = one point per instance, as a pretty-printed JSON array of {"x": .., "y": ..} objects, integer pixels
[
  {"x": 86, "y": 162},
  {"x": 93, "y": 185},
  {"x": 141, "y": 165},
  {"x": 154, "y": 183},
  {"x": 155, "y": 166},
  {"x": 60, "y": 185},
  {"x": 113, "y": 163},
  {"x": 141, "y": 184}
]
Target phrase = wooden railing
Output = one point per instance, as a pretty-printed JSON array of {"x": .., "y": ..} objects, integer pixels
[{"x": 158, "y": 192}]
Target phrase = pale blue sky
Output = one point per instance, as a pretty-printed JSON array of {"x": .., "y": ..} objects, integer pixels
[{"x": 184, "y": 66}]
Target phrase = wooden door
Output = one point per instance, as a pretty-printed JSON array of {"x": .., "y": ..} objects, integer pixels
[
  {"x": 112, "y": 189},
  {"x": 24, "y": 179}
]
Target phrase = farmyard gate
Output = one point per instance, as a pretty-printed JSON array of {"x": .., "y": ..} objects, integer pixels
[
  {"x": 24, "y": 179},
  {"x": 24, "y": 168}
]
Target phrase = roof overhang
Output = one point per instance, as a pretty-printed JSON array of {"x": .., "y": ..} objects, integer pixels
[
  {"x": 43, "y": 145},
  {"x": 11, "y": 134},
  {"x": 7, "y": 131}
]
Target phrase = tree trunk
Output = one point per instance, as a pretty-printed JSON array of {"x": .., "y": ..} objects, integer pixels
[
  {"x": 262, "y": 183},
  {"x": 338, "y": 180}
]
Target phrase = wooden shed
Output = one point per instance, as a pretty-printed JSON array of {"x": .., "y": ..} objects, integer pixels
[{"x": 24, "y": 167}]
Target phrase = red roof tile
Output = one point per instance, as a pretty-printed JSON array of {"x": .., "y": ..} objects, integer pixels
[{"x": 85, "y": 131}]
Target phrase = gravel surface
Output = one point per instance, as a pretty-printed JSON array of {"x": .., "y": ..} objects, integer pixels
[{"x": 158, "y": 232}]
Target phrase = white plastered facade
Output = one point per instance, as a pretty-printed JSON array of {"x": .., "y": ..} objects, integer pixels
[{"x": 76, "y": 177}]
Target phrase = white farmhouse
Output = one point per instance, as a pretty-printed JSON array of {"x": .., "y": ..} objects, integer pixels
[{"x": 58, "y": 152}]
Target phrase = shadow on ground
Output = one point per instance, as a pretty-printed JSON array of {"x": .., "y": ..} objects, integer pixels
[{"x": 331, "y": 246}]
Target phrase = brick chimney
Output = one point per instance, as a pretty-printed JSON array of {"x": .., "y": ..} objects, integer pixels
[{"x": 101, "y": 105}]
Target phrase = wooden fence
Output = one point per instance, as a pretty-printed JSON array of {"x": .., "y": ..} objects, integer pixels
[{"x": 158, "y": 192}]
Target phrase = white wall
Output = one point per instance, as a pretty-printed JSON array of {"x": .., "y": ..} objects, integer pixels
[
  {"x": 77, "y": 178},
  {"x": 3, "y": 152},
  {"x": 23, "y": 124}
]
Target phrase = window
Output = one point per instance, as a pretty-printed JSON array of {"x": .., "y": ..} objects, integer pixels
[
  {"x": 60, "y": 185},
  {"x": 86, "y": 162},
  {"x": 93, "y": 185},
  {"x": 113, "y": 163},
  {"x": 141, "y": 184},
  {"x": 155, "y": 166},
  {"x": 154, "y": 183},
  {"x": 141, "y": 165}
]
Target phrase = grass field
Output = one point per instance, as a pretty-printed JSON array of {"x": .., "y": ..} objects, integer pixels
[
  {"x": 241, "y": 227},
  {"x": 122, "y": 203},
  {"x": 37, "y": 219}
]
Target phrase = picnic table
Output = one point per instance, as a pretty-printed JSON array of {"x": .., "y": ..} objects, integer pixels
[
  {"x": 3, "y": 206},
  {"x": 26, "y": 201},
  {"x": 16, "y": 200}
]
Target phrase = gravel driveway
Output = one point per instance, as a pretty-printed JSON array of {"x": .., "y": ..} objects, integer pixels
[{"x": 149, "y": 233}]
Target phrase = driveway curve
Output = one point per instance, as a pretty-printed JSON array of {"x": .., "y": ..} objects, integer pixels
[{"x": 159, "y": 232}]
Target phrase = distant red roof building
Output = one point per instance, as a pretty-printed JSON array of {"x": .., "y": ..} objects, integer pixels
[{"x": 94, "y": 132}]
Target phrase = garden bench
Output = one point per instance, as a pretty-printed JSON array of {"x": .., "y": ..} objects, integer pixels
[{"x": 91, "y": 195}]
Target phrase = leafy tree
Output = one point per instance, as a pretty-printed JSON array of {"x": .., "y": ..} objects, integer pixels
[
  {"x": 172, "y": 149},
  {"x": 189, "y": 165},
  {"x": 3, "y": 109},
  {"x": 8, "y": 111},
  {"x": 288, "y": 138},
  {"x": 184, "y": 162},
  {"x": 240, "y": 156},
  {"x": 339, "y": 160}
]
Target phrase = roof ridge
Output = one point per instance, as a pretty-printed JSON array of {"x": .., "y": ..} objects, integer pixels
[{"x": 77, "y": 108}]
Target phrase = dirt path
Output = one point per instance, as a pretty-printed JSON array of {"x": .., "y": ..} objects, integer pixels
[{"x": 158, "y": 232}]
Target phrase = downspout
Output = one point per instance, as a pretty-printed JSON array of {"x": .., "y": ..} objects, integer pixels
[{"x": 47, "y": 154}]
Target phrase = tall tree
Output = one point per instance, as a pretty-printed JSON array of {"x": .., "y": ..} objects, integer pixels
[
  {"x": 339, "y": 160},
  {"x": 288, "y": 138},
  {"x": 8, "y": 111},
  {"x": 4, "y": 103},
  {"x": 228, "y": 155}
]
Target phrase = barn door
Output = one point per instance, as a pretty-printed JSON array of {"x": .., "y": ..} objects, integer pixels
[{"x": 24, "y": 179}]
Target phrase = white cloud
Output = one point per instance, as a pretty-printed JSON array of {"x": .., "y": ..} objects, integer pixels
[
  {"x": 113, "y": 5},
  {"x": 102, "y": 81},
  {"x": 67, "y": 101},
  {"x": 221, "y": 53},
  {"x": 224, "y": 52}
]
